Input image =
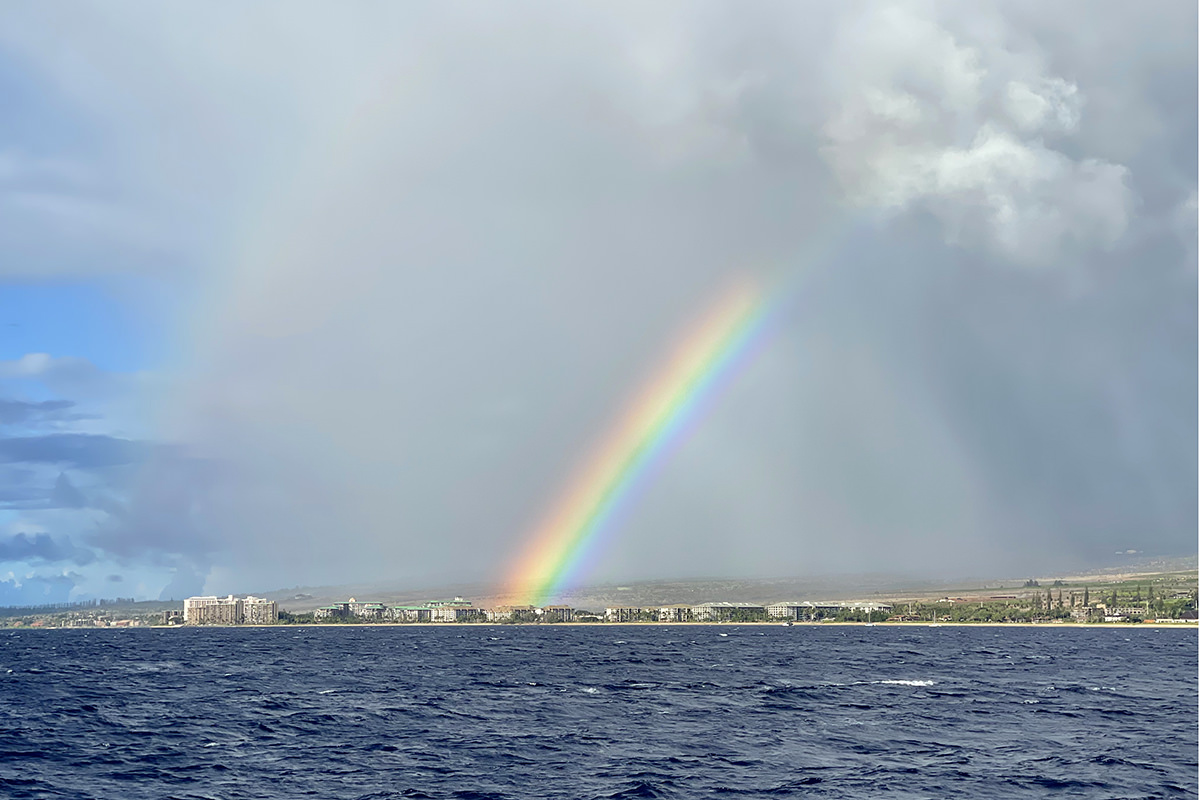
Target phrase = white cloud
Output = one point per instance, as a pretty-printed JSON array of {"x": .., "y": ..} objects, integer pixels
[
  {"x": 44, "y": 365},
  {"x": 925, "y": 121},
  {"x": 1052, "y": 104}
]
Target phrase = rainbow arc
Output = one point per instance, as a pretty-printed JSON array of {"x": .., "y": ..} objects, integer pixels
[{"x": 585, "y": 514}]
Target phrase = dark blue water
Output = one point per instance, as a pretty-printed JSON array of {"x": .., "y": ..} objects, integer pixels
[{"x": 605, "y": 712}]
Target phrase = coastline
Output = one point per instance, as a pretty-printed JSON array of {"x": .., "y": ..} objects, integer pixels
[{"x": 1192, "y": 625}]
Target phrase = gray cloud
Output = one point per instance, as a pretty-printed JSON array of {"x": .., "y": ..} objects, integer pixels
[
  {"x": 15, "y": 412},
  {"x": 974, "y": 132},
  {"x": 65, "y": 494},
  {"x": 43, "y": 547},
  {"x": 38, "y": 589},
  {"x": 465, "y": 245},
  {"x": 87, "y": 451}
]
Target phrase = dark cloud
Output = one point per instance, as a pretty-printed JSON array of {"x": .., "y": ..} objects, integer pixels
[
  {"x": 38, "y": 590},
  {"x": 18, "y": 412},
  {"x": 43, "y": 547},
  {"x": 174, "y": 510},
  {"x": 185, "y": 582},
  {"x": 65, "y": 494},
  {"x": 21, "y": 487},
  {"x": 114, "y": 579},
  {"x": 79, "y": 450}
]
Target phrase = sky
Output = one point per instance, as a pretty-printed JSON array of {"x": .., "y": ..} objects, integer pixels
[{"x": 309, "y": 294}]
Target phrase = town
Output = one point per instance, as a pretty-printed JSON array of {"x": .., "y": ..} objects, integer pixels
[
  {"x": 1049, "y": 606},
  {"x": 1161, "y": 599}
]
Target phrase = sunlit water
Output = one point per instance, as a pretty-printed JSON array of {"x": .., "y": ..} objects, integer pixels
[{"x": 598, "y": 712}]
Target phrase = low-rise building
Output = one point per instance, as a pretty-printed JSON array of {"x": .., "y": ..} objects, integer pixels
[
  {"x": 622, "y": 614},
  {"x": 511, "y": 614},
  {"x": 335, "y": 611},
  {"x": 675, "y": 613},
  {"x": 796, "y": 610},
  {"x": 788, "y": 610},
  {"x": 558, "y": 614},
  {"x": 728, "y": 612},
  {"x": 409, "y": 613},
  {"x": 456, "y": 610},
  {"x": 364, "y": 610}
]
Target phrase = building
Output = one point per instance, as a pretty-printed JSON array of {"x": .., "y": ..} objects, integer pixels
[
  {"x": 409, "y": 613},
  {"x": 674, "y": 613},
  {"x": 788, "y": 610},
  {"x": 456, "y": 610},
  {"x": 810, "y": 610},
  {"x": 558, "y": 614},
  {"x": 622, "y": 614},
  {"x": 335, "y": 611},
  {"x": 352, "y": 609},
  {"x": 259, "y": 611},
  {"x": 230, "y": 610},
  {"x": 211, "y": 610},
  {"x": 728, "y": 612},
  {"x": 366, "y": 610},
  {"x": 511, "y": 614}
]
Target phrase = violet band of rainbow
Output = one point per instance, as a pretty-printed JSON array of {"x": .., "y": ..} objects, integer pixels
[{"x": 568, "y": 542}]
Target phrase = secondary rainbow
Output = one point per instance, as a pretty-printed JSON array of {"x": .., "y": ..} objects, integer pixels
[{"x": 566, "y": 543}]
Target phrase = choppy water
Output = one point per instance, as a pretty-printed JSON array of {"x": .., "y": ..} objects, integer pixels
[{"x": 605, "y": 712}]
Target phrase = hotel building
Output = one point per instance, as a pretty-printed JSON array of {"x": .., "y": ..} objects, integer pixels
[{"x": 230, "y": 610}]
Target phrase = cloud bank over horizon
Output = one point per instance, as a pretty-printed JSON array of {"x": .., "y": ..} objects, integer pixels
[{"x": 305, "y": 295}]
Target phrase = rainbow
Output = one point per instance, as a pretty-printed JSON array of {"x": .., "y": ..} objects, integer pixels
[{"x": 566, "y": 543}]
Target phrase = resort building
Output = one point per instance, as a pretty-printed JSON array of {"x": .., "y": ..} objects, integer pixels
[
  {"x": 335, "y": 611},
  {"x": 727, "y": 612},
  {"x": 817, "y": 610},
  {"x": 259, "y": 611},
  {"x": 456, "y": 610},
  {"x": 558, "y": 614},
  {"x": 622, "y": 614},
  {"x": 409, "y": 613},
  {"x": 366, "y": 610},
  {"x": 674, "y": 613},
  {"x": 229, "y": 610},
  {"x": 511, "y": 614},
  {"x": 210, "y": 610}
]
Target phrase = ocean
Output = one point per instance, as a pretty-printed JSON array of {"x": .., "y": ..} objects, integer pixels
[{"x": 729, "y": 711}]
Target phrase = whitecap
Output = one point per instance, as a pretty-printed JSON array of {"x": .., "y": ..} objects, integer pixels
[{"x": 906, "y": 683}]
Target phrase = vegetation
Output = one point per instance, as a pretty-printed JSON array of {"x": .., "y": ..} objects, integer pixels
[{"x": 1151, "y": 597}]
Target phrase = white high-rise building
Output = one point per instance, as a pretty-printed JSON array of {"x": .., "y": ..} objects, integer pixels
[{"x": 230, "y": 610}]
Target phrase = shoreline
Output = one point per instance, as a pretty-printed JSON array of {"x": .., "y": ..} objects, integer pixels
[{"x": 1189, "y": 625}]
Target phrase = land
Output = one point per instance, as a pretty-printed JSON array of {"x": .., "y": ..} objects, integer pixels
[{"x": 1135, "y": 594}]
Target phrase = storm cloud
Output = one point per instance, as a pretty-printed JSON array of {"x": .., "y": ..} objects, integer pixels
[
  {"x": 437, "y": 249},
  {"x": 20, "y": 411},
  {"x": 42, "y": 547}
]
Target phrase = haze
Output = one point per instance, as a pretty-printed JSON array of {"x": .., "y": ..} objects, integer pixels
[{"x": 298, "y": 294}]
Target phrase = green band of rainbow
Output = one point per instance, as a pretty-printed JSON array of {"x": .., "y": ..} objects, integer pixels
[{"x": 567, "y": 543}]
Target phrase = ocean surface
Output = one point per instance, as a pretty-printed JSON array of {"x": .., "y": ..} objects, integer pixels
[{"x": 598, "y": 712}]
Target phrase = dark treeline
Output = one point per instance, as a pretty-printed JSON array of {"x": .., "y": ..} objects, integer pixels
[{"x": 80, "y": 605}]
